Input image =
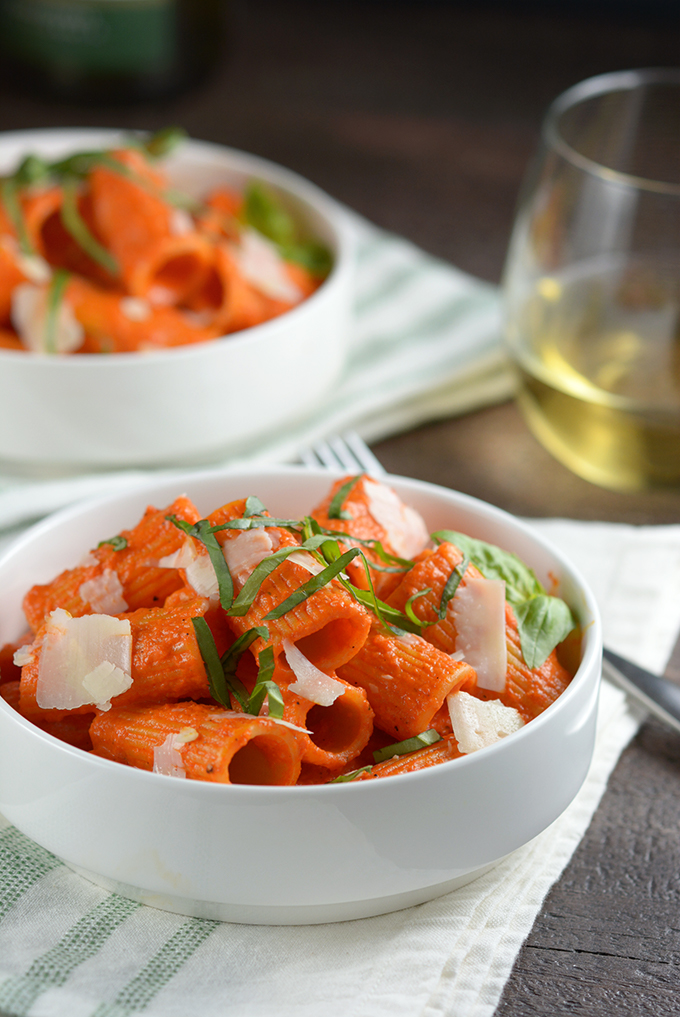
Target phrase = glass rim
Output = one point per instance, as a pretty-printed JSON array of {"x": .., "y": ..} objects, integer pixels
[{"x": 601, "y": 84}]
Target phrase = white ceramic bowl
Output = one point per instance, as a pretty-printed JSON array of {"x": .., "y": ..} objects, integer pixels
[
  {"x": 190, "y": 405},
  {"x": 292, "y": 855}
]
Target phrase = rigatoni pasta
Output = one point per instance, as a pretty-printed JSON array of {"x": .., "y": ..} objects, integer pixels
[
  {"x": 99, "y": 254},
  {"x": 242, "y": 647}
]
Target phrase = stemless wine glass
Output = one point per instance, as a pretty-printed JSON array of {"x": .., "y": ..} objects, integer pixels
[{"x": 592, "y": 281}]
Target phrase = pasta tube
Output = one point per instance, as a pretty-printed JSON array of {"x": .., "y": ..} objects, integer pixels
[
  {"x": 220, "y": 746},
  {"x": 328, "y": 627},
  {"x": 406, "y": 680},
  {"x": 119, "y": 574}
]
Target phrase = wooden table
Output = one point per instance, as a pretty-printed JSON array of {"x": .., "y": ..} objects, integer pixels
[{"x": 422, "y": 116}]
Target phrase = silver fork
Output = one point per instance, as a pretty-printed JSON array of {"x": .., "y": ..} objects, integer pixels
[{"x": 655, "y": 693}]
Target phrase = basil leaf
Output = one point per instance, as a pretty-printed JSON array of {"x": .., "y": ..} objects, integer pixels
[
  {"x": 10, "y": 199},
  {"x": 312, "y": 585},
  {"x": 266, "y": 687},
  {"x": 495, "y": 563},
  {"x": 409, "y": 745},
  {"x": 254, "y": 507},
  {"x": 32, "y": 170},
  {"x": 451, "y": 585},
  {"x": 352, "y": 775},
  {"x": 55, "y": 296},
  {"x": 164, "y": 141},
  {"x": 408, "y": 610},
  {"x": 211, "y": 661},
  {"x": 543, "y": 622},
  {"x": 313, "y": 256},
  {"x": 117, "y": 543},
  {"x": 229, "y": 663},
  {"x": 75, "y": 225},
  {"x": 264, "y": 211},
  {"x": 335, "y": 509},
  {"x": 203, "y": 532}
]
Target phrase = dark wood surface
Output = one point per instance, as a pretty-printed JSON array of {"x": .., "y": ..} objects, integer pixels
[{"x": 422, "y": 116}]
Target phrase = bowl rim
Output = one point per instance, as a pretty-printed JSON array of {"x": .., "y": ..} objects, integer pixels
[
  {"x": 336, "y": 219},
  {"x": 590, "y": 661}
]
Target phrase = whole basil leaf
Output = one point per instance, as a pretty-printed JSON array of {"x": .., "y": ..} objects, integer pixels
[
  {"x": 495, "y": 563},
  {"x": 543, "y": 622}
]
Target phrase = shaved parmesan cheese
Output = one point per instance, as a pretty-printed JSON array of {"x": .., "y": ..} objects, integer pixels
[
  {"x": 405, "y": 527},
  {"x": 262, "y": 265},
  {"x": 29, "y": 317},
  {"x": 478, "y": 610},
  {"x": 245, "y": 552},
  {"x": 287, "y": 723},
  {"x": 167, "y": 758},
  {"x": 24, "y": 655},
  {"x": 135, "y": 309},
  {"x": 477, "y": 724},
  {"x": 72, "y": 651},
  {"x": 35, "y": 268},
  {"x": 197, "y": 566},
  {"x": 311, "y": 683},
  {"x": 180, "y": 222},
  {"x": 306, "y": 561},
  {"x": 105, "y": 682},
  {"x": 104, "y": 593},
  {"x": 87, "y": 560}
]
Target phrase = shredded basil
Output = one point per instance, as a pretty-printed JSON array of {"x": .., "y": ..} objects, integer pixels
[
  {"x": 266, "y": 687},
  {"x": 117, "y": 543},
  {"x": 352, "y": 775},
  {"x": 163, "y": 141},
  {"x": 409, "y": 745},
  {"x": 10, "y": 199},
  {"x": 254, "y": 507},
  {"x": 211, "y": 661},
  {"x": 55, "y": 296},
  {"x": 335, "y": 509},
  {"x": 451, "y": 585},
  {"x": 203, "y": 532},
  {"x": 75, "y": 225},
  {"x": 313, "y": 584},
  {"x": 265, "y": 213},
  {"x": 408, "y": 609},
  {"x": 543, "y": 621}
]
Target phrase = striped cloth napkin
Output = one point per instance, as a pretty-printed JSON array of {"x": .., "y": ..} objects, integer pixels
[
  {"x": 426, "y": 344},
  {"x": 70, "y": 949}
]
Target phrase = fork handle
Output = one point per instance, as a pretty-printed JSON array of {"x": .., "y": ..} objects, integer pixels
[{"x": 659, "y": 695}]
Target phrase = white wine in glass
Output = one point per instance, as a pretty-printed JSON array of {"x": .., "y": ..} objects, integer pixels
[{"x": 592, "y": 282}]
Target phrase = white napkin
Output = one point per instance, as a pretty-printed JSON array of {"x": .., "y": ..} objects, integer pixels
[
  {"x": 70, "y": 949},
  {"x": 426, "y": 343}
]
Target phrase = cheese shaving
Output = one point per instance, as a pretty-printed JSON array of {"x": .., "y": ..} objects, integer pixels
[
  {"x": 244, "y": 552},
  {"x": 135, "y": 309},
  {"x": 198, "y": 568},
  {"x": 477, "y": 723},
  {"x": 105, "y": 682},
  {"x": 406, "y": 529},
  {"x": 104, "y": 593},
  {"x": 478, "y": 610},
  {"x": 311, "y": 683},
  {"x": 262, "y": 265},
  {"x": 306, "y": 561},
  {"x": 29, "y": 317},
  {"x": 73, "y": 650},
  {"x": 24, "y": 655}
]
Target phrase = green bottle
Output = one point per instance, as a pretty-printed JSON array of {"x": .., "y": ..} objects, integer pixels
[{"x": 111, "y": 50}]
